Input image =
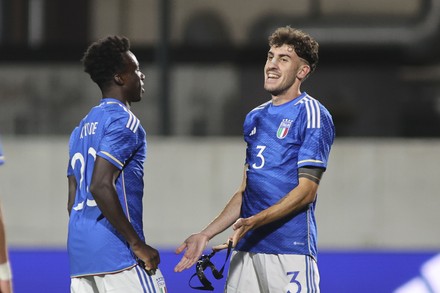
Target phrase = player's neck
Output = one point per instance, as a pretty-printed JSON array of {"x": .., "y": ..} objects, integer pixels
[
  {"x": 117, "y": 96},
  {"x": 285, "y": 97},
  {"x": 288, "y": 94}
]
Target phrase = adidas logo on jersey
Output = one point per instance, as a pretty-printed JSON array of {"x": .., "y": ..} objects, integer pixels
[{"x": 254, "y": 131}]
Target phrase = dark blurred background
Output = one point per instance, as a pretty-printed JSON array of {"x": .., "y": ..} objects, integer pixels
[{"x": 378, "y": 73}]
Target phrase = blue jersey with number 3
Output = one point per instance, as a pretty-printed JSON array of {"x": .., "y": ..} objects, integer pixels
[
  {"x": 110, "y": 131},
  {"x": 281, "y": 139}
]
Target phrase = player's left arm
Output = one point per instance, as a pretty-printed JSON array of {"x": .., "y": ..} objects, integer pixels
[{"x": 293, "y": 202}]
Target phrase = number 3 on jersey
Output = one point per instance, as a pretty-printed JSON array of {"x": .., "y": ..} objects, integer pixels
[{"x": 260, "y": 156}]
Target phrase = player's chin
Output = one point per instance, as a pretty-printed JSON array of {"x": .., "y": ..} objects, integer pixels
[
  {"x": 141, "y": 93},
  {"x": 136, "y": 99},
  {"x": 270, "y": 87},
  {"x": 139, "y": 96},
  {"x": 272, "y": 90}
]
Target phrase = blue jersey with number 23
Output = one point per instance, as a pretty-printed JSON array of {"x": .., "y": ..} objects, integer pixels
[{"x": 110, "y": 131}]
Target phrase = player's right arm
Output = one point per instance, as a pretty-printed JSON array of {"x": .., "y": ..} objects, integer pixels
[
  {"x": 196, "y": 243},
  {"x": 72, "y": 192},
  {"x": 104, "y": 192}
]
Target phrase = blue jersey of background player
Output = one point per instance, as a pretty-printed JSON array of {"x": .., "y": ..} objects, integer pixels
[
  {"x": 272, "y": 212},
  {"x": 110, "y": 131},
  {"x": 107, "y": 150}
]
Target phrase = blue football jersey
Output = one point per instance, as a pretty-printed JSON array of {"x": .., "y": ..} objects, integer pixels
[
  {"x": 113, "y": 132},
  {"x": 281, "y": 139},
  {"x": 2, "y": 157}
]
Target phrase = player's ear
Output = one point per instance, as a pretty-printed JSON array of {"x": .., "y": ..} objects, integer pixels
[
  {"x": 303, "y": 71},
  {"x": 118, "y": 79}
]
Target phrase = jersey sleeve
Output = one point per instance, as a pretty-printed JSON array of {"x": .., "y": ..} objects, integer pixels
[
  {"x": 319, "y": 135},
  {"x": 119, "y": 143}
]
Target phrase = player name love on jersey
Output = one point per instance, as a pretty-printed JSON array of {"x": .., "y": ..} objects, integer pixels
[{"x": 88, "y": 128}]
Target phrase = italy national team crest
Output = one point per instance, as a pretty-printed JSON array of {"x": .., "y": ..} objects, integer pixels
[{"x": 284, "y": 127}]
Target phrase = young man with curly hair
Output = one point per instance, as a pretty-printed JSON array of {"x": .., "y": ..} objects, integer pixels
[
  {"x": 272, "y": 212},
  {"x": 106, "y": 243}
]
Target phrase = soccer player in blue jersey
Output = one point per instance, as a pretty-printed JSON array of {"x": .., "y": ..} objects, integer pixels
[
  {"x": 106, "y": 243},
  {"x": 5, "y": 268},
  {"x": 272, "y": 212}
]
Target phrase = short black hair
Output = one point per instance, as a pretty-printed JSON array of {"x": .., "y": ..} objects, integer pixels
[
  {"x": 103, "y": 58},
  {"x": 305, "y": 46}
]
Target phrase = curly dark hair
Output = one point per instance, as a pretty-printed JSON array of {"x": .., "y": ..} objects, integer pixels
[
  {"x": 103, "y": 58},
  {"x": 305, "y": 46}
]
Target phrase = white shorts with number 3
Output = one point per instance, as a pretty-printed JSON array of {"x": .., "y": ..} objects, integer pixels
[{"x": 272, "y": 273}]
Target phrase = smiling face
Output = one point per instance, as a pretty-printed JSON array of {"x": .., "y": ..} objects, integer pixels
[
  {"x": 284, "y": 71},
  {"x": 132, "y": 79}
]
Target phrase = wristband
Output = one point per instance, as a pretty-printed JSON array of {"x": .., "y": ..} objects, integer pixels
[{"x": 5, "y": 271}]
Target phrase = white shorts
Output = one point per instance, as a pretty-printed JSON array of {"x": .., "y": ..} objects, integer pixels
[
  {"x": 134, "y": 280},
  {"x": 272, "y": 273}
]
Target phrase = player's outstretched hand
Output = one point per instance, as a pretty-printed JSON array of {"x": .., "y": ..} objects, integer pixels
[
  {"x": 241, "y": 227},
  {"x": 222, "y": 246},
  {"x": 149, "y": 255},
  {"x": 194, "y": 245}
]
